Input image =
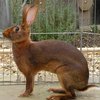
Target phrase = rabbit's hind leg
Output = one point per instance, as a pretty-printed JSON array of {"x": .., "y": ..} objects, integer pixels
[
  {"x": 58, "y": 97},
  {"x": 69, "y": 94},
  {"x": 67, "y": 91},
  {"x": 56, "y": 90}
]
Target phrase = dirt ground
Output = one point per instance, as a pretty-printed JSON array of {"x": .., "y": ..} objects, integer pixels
[{"x": 11, "y": 92}]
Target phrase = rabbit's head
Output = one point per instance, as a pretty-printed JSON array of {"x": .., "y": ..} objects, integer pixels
[{"x": 19, "y": 33}]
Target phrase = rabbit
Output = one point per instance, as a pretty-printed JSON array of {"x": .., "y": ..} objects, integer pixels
[{"x": 55, "y": 56}]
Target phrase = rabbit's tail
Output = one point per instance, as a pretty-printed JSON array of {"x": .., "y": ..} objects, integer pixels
[{"x": 87, "y": 87}]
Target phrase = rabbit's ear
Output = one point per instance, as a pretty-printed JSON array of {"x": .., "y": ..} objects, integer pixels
[
  {"x": 31, "y": 14},
  {"x": 24, "y": 13}
]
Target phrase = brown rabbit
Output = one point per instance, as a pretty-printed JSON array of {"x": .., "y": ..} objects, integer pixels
[{"x": 54, "y": 56}]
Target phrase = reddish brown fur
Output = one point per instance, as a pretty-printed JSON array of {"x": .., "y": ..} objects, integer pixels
[{"x": 50, "y": 55}]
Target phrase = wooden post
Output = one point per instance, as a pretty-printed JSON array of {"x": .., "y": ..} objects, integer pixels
[
  {"x": 85, "y": 7},
  {"x": 5, "y": 18}
]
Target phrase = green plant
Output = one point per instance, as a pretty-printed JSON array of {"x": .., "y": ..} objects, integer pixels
[
  {"x": 57, "y": 17},
  {"x": 15, "y": 6}
]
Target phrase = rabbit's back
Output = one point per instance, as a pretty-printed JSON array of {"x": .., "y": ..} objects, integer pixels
[{"x": 65, "y": 53}]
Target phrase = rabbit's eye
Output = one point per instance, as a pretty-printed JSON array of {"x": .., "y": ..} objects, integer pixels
[{"x": 16, "y": 29}]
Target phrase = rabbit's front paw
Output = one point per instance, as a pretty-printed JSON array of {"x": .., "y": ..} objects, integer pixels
[{"x": 25, "y": 94}]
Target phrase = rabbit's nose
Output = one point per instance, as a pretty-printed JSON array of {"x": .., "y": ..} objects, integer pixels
[{"x": 5, "y": 34}]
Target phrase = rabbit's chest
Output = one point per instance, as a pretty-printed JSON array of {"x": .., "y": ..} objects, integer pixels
[
  {"x": 23, "y": 64},
  {"x": 20, "y": 61},
  {"x": 26, "y": 60}
]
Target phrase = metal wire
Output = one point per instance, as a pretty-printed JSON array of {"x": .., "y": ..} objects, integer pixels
[{"x": 92, "y": 53}]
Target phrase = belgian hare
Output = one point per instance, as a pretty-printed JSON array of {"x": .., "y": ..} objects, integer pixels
[{"x": 54, "y": 56}]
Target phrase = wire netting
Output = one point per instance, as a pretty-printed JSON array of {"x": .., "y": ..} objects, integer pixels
[{"x": 73, "y": 21}]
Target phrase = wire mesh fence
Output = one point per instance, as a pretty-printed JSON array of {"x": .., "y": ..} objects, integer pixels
[
  {"x": 74, "y": 21},
  {"x": 9, "y": 73}
]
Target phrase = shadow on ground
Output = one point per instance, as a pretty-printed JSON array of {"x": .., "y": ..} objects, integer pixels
[{"x": 40, "y": 92}]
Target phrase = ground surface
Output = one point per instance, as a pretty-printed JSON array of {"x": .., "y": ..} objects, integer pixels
[{"x": 40, "y": 93}]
